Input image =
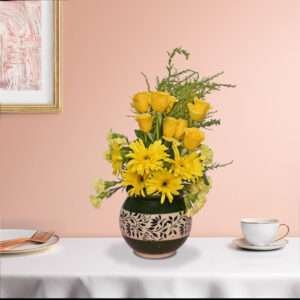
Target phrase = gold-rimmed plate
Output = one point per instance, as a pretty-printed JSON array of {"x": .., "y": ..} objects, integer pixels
[
  {"x": 242, "y": 243},
  {"x": 6, "y": 234}
]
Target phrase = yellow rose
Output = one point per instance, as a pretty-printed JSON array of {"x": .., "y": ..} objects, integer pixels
[
  {"x": 160, "y": 101},
  {"x": 144, "y": 121},
  {"x": 193, "y": 137},
  {"x": 169, "y": 127},
  {"x": 141, "y": 101},
  {"x": 198, "y": 109},
  {"x": 172, "y": 101},
  {"x": 180, "y": 128}
]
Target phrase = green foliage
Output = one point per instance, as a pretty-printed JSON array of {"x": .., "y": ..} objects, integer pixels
[
  {"x": 147, "y": 138},
  {"x": 158, "y": 119},
  {"x": 147, "y": 81},
  {"x": 140, "y": 134},
  {"x": 186, "y": 84},
  {"x": 218, "y": 165},
  {"x": 205, "y": 179},
  {"x": 207, "y": 123}
]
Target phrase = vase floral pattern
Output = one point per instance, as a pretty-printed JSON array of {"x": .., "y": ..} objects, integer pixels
[{"x": 154, "y": 227}]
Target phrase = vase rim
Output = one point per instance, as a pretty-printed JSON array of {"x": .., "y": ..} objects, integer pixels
[{"x": 154, "y": 198}]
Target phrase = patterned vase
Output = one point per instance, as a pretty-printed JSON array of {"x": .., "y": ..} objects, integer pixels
[{"x": 152, "y": 229}]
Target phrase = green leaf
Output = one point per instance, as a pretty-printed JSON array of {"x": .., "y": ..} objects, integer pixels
[
  {"x": 139, "y": 134},
  {"x": 145, "y": 137}
]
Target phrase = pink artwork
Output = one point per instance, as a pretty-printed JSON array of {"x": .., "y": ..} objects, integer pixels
[{"x": 20, "y": 45}]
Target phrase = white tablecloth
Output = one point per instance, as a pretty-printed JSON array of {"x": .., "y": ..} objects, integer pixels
[{"x": 106, "y": 267}]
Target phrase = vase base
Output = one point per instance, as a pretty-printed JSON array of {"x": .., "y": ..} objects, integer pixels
[{"x": 154, "y": 256}]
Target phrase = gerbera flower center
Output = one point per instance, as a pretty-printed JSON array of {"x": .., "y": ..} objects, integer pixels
[{"x": 164, "y": 183}]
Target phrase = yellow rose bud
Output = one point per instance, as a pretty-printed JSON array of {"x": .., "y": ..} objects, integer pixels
[
  {"x": 160, "y": 101},
  {"x": 193, "y": 137},
  {"x": 169, "y": 127},
  {"x": 180, "y": 128},
  {"x": 144, "y": 121},
  {"x": 198, "y": 109},
  {"x": 141, "y": 101}
]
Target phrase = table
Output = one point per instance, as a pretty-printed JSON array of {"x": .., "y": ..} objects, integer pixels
[{"x": 106, "y": 267}]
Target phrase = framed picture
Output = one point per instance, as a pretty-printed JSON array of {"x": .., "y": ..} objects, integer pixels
[{"x": 29, "y": 56}]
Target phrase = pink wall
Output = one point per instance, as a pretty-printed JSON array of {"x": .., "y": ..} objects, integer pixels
[{"x": 47, "y": 162}]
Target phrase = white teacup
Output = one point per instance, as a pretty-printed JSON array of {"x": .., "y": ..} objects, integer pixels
[{"x": 262, "y": 232}]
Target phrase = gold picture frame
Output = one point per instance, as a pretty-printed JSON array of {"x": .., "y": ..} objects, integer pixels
[{"x": 56, "y": 105}]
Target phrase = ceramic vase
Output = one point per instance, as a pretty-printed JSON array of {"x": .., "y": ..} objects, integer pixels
[{"x": 154, "y": 230}]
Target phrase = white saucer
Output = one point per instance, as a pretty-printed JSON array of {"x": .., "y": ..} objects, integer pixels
[
  {"x": 6, "y": 234},
  {"x": 242, "y": 243}
]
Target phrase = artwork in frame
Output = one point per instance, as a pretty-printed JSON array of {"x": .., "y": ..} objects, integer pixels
[{"x": 29, "y": 56}]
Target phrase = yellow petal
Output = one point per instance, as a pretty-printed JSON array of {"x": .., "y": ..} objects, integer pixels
[
  {"x": 180, "y": 128},
  {"x": 199, "y": 109},
  {"x": 141, "y": 101},
  {"x": 193, "y": 137},
  {"x": 145, "y": 122},
  {"x": 160, "y": 101},
  {"x": 169, "y": 127}
]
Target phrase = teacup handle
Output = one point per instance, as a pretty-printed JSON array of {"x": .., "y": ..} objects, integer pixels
[{"x": 287, "y": 232}]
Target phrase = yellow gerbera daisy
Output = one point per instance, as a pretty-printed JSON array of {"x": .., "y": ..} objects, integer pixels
[
  {"x": 135, "y": 182},
  {"x": 187, "y": 166},
  {"x": 145, "y": 160},
  {"x": 164, "y": 183}
]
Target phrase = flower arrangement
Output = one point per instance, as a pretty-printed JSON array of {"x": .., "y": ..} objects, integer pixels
[{"x": 168, "y": 158}]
